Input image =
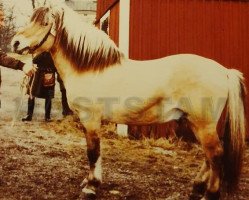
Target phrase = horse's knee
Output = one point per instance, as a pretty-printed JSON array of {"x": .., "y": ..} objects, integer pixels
[
  {"x": 212, "y": 148},
  {"x": 93, "y": 151}
]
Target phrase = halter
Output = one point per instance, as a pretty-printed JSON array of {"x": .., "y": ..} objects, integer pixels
[{"x": 31, "y": 50}]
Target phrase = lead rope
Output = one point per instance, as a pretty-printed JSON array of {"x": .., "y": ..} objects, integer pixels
[{"x": 24, "y": 86}]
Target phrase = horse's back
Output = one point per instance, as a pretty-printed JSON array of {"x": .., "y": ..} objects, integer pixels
[
  {"x": 197, "y": 85},
  {"x": 186, "y": 71},
  {"x": 189, "y": 62}
]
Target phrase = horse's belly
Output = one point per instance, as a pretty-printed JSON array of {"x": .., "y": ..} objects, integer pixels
[
  {"x": 159, "y": 110},
  {"x": 126, "y": 110},
  {"x": 150, "y": 117}
]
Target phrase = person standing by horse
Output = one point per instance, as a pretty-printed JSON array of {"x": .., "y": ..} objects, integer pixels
[
  {"x": 10, "y": 62},
  {"x": 42, "y": 85}
]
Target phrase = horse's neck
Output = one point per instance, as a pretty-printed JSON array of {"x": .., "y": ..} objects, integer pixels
[
  {"x": 62, "y": 64},
  {"x": 65, "y": 67}
]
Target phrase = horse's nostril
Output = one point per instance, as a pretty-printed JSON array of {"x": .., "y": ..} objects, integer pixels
[{"x": 16, "y": 44}]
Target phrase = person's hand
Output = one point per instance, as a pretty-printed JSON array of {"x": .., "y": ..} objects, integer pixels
[{"x": 29, "y": 70}]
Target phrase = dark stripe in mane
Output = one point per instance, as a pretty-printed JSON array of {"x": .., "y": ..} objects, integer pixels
[{"x": 83, "y": 52}]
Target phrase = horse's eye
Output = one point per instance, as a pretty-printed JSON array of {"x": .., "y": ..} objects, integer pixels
[{"x": 46, "y": 24}]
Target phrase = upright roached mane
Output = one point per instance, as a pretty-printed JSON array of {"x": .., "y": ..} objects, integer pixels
[
  {"x": 87, "y": 48},
  {"x": 81, "y": 52}
]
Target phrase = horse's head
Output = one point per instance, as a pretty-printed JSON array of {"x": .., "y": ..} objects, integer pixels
[
  {"x": 38, "y": 35},
  {"x": 58, "y": 28}
]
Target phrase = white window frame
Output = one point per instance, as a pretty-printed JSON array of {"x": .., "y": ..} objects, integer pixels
[
  {"x": 106, "y": 16},
  {"x": 124, "y": 27}
]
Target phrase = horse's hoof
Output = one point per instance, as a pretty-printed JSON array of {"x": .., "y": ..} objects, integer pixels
[{"x": 89, "y": 191}]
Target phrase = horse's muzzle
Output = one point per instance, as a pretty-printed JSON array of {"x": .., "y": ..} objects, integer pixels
[
  {"x": 25, "y": 50},
  {"x": 15, "y": 45}
]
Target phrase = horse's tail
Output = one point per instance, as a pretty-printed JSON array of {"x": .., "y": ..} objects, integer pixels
[{"x": 234, "y": 136}]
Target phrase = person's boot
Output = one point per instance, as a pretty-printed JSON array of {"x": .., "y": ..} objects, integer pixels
[
  {"x": 27, "y": 118},
  {"x": 65, "y": 107},
  {"x": 48, "y": 105},
  {"x": 31, "y": 105}
]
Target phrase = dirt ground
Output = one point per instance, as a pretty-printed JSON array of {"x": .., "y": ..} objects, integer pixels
[{"x": 41, "y": 160}]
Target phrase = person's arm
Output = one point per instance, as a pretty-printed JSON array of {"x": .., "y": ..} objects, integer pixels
[
  {"x": 9, "y": 62},
  {"x": 12, "y": 63}
]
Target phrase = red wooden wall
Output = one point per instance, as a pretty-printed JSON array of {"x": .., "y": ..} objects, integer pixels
[
  {"x": 103, "y": 6},
  {"x": 114, "y": 23},
  {"x": 217, "y": 29},
  {"x": 113, "y": 6}
]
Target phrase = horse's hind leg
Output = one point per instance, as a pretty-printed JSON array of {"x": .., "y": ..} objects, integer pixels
[
  {"x": 94, "y": 178},
  {"x": 200, "y": 182},
  {"x": 210, "y": 173}
]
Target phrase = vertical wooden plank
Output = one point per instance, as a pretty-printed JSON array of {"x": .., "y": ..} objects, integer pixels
[
  {"x": 103, "y": 6},
  {"x": 114, "y": 23}
]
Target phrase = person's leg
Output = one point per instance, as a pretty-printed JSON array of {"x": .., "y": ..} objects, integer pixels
[
  {"x": 65, "y": 107},
  {"x": 48, "y": 105},
  {"x": 31, "y": 105}
]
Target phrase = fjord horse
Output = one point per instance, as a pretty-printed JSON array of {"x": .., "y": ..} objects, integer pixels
[{"x": 103, "y": 84}]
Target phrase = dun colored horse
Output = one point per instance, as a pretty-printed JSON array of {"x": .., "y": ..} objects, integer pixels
[{"x": 103, "y": 84}]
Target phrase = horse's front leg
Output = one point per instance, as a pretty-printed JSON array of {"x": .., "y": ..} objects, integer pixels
[{"x": 94, "y": 178}]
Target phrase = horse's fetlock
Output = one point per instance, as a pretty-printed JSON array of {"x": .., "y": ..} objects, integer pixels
[{"x": 94, "y": 182}]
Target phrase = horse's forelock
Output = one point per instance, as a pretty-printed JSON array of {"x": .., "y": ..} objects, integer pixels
[{"x": 39, "y": 15}]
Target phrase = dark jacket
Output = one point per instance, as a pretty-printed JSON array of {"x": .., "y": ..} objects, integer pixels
[
  {"x": 9, "y": 62},
  {"x": 45, "y": 64}
]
